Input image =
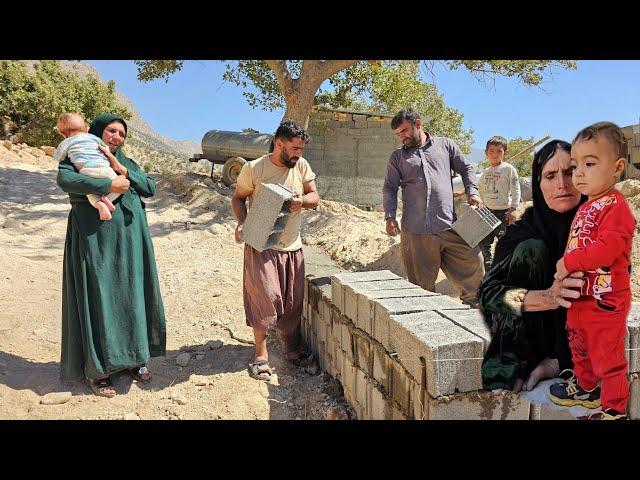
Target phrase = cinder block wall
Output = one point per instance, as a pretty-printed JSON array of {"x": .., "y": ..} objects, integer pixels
[
  {"x": 349, "y": 153},
  {"x": 401, "y": 352}
]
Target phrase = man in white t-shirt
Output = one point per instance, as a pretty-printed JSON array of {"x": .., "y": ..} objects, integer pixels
[
  {"x": 273, "y": 281},
  {"x": 500, "y": 191}
]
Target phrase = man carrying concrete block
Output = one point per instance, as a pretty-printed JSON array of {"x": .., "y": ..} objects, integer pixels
[
  {"x": 422, "y": 167},
  {"x": 273, "y": 280}
]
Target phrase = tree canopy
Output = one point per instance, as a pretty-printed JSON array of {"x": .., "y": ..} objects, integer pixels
[
  {"x": 382, "y": 85},
  {"x": 32, "y": 99}
]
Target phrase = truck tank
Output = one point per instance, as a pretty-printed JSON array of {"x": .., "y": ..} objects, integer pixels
[{"x": 220, "y": 144}]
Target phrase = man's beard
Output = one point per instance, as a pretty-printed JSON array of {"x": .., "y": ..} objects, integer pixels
[
  {"x": 415, "y": 140},
  {"x": 288, "y": 161}
]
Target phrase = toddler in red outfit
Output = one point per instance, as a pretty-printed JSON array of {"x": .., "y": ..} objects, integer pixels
[{"x": 600, "y": 246}]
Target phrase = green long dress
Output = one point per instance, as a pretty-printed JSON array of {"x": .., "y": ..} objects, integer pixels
[{"x": 112, "y": 311}]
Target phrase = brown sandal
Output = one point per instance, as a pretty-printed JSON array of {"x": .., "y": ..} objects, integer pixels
[
  {"x": 260, "y": 370},
  {"x": 101, "y": 387}
]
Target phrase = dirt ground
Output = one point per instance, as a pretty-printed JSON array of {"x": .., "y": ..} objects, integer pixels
[
  {"x": 200, "y": 278},
  {"x": 200, "y": 274}
]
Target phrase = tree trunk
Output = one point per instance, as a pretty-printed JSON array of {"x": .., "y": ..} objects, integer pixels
[
  {"x": 299, "y": 108},
  {"x": 300, "y": 93}
]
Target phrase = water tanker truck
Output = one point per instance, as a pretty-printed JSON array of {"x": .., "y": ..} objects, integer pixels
[{"x": 232, "y": 150}]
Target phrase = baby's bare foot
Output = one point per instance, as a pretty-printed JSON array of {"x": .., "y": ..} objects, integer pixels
[
  {"x": 104, "y": 199},
  {"x": 105, "y": 214}
]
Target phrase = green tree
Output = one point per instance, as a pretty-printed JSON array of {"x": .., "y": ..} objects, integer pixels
[
  {"x": 33, "y": 99},
  {"x": 294, "y": 84},
  {"x": 523, "y": 162}
]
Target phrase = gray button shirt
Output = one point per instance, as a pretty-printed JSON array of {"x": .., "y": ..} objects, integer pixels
[{"x": 424, "y": 175}]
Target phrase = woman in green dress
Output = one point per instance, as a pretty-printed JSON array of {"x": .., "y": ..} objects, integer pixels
[
  {"x": 524, "y": 306},
  {"x": 112, "y": 311}
]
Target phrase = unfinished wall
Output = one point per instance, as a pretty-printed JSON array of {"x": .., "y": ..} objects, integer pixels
[
  {"x": 401, "y": 352},
  {"x": 349, "y": 153}
]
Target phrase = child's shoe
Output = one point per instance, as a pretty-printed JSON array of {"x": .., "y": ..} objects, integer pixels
[
  {"x": 569, "y": 393},
  {"x": 607, "y": 414}
]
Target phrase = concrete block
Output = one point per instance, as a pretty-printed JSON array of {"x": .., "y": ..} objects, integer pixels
[
  {"x": 381, "y": 366},
  {"x": 417, "y": 400},
  {"x": 361, "y": 390},
  {"x": 362, "y": 352},
  {"x": 475, "y": 224},
  {"x": 378, "y": 405},
  {"x": 452, "y": 355},
  {"x": 471, "y": 320},
  {"x": 477, "y": 406},
  {"x": 366, "y": 305},
  {"x": 385, "y": 308},
  {"x": 396, "y": 412},
  {"x": 634, "y": 398},
  {"x": 371, "y": 276},
  {"x": 632, "y": 339},
  {"x": 349, "y": 381},
  {"x": 267, "y": 217},
  {"x": 400, "y": 386},
  {"x": 339, "y": 360}
]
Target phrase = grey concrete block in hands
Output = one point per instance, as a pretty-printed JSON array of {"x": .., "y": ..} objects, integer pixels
[{"x": 267, "y": 217}]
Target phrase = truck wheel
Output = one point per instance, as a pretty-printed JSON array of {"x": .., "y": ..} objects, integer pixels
[{"x": 231, "y": 170}]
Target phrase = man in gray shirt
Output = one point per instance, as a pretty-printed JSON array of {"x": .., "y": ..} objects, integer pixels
[{"x": 422, "y": 167}]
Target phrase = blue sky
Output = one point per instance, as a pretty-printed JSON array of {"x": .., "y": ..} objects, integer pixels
[{"x": 196, "y": 99}]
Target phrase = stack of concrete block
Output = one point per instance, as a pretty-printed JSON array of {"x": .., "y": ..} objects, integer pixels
[
  {"x": 397, "y": 353},
  {"x": 401, "y": 352},
  {"x": 474, "y": 224},
  {"x": 632, "y": 344},
  {"x": 267, "y": 217}
]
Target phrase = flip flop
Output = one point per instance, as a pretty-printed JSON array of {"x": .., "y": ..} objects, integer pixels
[
  {"x": 100, "y": 385},
  {"x": 258, "y": 373}
]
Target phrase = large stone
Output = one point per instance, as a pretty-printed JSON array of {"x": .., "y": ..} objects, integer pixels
[
  {"x": 56, "y": 398},
  {"x": 472, "y": 321},
  {"x": 450, "y": 356},
  {"x": 385, "y": 308},
  {"x": 477, "y": 406},
  {"x": 366, "y": 305},
  {"x": 183, "y": 359}
]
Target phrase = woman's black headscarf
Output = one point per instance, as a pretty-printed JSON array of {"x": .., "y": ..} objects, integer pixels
[
  {"x": 540, "y": 221},
  {"x": 100, "y": 123}
]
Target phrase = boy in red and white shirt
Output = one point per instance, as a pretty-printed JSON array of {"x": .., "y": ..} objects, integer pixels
[{"x": 600, "y": 246}]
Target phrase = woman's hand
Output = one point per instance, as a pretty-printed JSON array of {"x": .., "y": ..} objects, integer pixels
[
  {"x": 120, "y": 184},
  {"x": 564, "y": 289},
  {"x": 113, "y": 161}
]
